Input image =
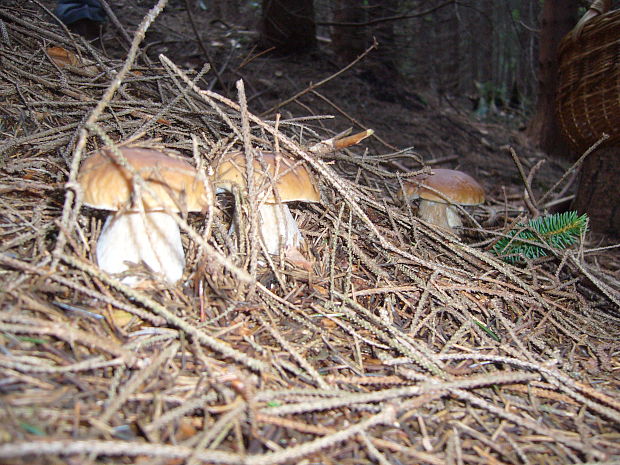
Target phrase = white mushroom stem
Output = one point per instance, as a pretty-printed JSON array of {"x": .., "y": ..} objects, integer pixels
[
  {"x": 441, "y": 214},
  {"x": 278, "y": 228},
  {"x": 133, "y": 238}
]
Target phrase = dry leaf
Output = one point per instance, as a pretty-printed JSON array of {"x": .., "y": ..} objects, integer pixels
[
  {"x": 121, "y": 318},
  {"x": 67, "y": 59},
  {"x": 63, "y": 57}
]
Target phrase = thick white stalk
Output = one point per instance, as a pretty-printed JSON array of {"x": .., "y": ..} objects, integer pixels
[
  {"x": 132, "y": 238},
  {"x": 441, "y": 214},
  {"x": 278, "y": 228}
]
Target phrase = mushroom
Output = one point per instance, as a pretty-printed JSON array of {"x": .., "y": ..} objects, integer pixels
[
  {"x": 277, "y": 180},
  {"x": 440, "y": 192},
  {"x": 130, "y": 236}
]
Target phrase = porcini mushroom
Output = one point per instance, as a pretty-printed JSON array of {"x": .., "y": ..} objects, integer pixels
[
  {"x": 440, "y": 192},
  {"x": 278, "y": 179},
  {"x": 130, "y": 236}
]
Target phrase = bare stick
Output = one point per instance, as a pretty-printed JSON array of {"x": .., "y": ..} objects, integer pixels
[
  {"x": 311, "y": 87},
  {"x": 117, "y": 24},
  {"x": 339, "y": 142},
  {"x": 529, "y": 198},
  {"x": 204, "y": 48},
  {"x": 575, "y": 166}
]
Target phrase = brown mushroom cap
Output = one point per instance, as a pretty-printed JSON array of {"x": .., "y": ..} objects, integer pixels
[
  {"x": 457, "y": 187},
  {"x": 293, "y": 181},
  {"x": 108, "y": 186}
]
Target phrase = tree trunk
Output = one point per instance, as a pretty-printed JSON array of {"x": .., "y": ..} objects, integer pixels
[
  {"x": 598, "y": 193},
  {"x": 381, "y": 67},
  {"x": 348, "y": 42},
  {"x": 226, "y": 10},
  {"x": 558, "y": 18},
  {"x": 288, "y": 25}
]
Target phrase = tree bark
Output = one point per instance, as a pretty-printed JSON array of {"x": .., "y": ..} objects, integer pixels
[
  {"x": 348, "y": 42},
  {"x": 288, "y": 25},
  {"x": 598, "y": 193},
  {"x": 226, "y": 10},
  {"x": 558, "y": 18},
  {"x": 381, "y": 68}
]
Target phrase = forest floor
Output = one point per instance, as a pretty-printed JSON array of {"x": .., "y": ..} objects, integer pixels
[{"x": 403, "y": 344}]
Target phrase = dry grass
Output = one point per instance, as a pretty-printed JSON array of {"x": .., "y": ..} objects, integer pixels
[{"x": 403, "y": 345}]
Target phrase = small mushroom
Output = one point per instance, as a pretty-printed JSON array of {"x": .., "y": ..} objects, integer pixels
[
  {"x": 440, "y": 192},
  {"x": 278, "y": 179},
  {"x": 129, "y": 236}
]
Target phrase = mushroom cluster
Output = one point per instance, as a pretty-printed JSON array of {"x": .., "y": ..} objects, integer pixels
[
  {"x": 143, "y": 234},
  {"x": 439, "y": 193},
  {"x": 278, "y": 180}
]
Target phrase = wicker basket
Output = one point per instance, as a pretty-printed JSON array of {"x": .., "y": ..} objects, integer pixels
[{"x": 588, "y": 100}]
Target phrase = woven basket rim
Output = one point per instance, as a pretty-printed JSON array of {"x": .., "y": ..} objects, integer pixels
[{"x": 588, "y": 90}]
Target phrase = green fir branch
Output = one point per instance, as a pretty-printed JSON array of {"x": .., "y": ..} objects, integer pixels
[{"x": 534, "y": 239}]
